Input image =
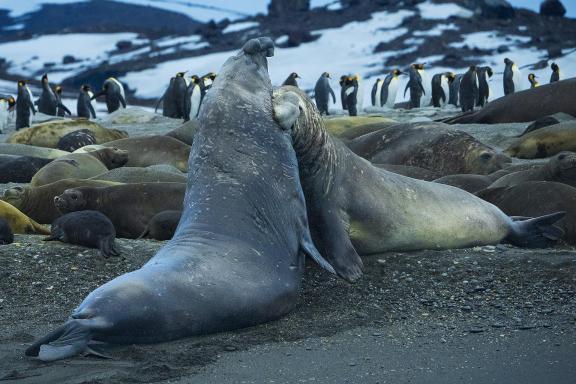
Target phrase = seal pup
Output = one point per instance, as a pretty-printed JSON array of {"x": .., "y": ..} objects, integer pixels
[
  {"x": 88, "y": 228},
  {"x": 556, "y": 74},
  {"x": 390, "y": 89},
  {"x": 210, "y": 277},
  {"x": 113, "y": 91},
  {"x": 6, "y": 234},
  {"x": 76, "y": 139},
  {"x": 7, "y": 104},
  {"x": 21, "y": 169},
  {"x": 322, "y": 93},
  {"x": 355, "y": 208},
  {"x": 30, "y": 150},
  {"x": 291, "y": 79},
  {"x": 84, "y": 107},
  {"x": 547, "y": 121},
  {"x": 162, "y": 226},
  {"x": 468, "y": 93},
  {"x": 24, "y": 105},
  {"x": 484, "y": 75}
]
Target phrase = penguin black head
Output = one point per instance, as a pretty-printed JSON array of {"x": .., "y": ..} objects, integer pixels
[
  {"x": 451, "y": 76},
  {"x": 326, "y": 74},
  {"x": 21, "y": 83},
  {"x": 45, "y": 78},
  {"x": 419, "y": 67},
  {"x": 555, "y": 67},
  {"x": 532, "y": 78},
  {"x": 343, "y": 79},
  {"x": 294, "y": 75},
  {"x": 59, "y": 90},
  {"x": 472, "y": 68},
  {"x": 194, "y": 79},
  {"x": 210, "y": 75},
  {"x": 85, "y": 88},
  {"x": 180, "y": 74},
  {"x": 507, "y": 61},
  {"x": 11, "y": 102},
  {"x": 489, "y": 71}
]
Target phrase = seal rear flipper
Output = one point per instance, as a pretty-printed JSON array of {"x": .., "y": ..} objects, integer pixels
[
  {"x": 309, "y": 249},
  {"x": 539, "y": 232},
  {"x": 69, "y": 340}
]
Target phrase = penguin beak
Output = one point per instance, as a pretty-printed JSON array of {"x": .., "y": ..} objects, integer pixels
[{"x": 102, "y": 92}]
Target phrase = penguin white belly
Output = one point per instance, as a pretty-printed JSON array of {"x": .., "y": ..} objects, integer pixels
[
  {"x": 360, "y": 96},
  {"x": 392, "y": 91},
  {"x": 446, "y": 89},
  {"x": 195, "y": 101},
  {"x": 427, "y": 96},
  {"x": 121, "y": 88},
  {"x": 3, "y": 115},
  {"x": 378, "y": 93},
  {"x": 92, "y": 101},
  {"x": 559, "y": 75},
  {"x": 489, "y": 89},
  {"x": 517, "y": 79},
  {"x": 30, "y": 93}
]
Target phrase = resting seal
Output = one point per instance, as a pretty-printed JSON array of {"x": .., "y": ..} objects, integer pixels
[
  {"x": 432, "y": 146},
  {"x": 185, "y": 132},
  {"x": 140, "y": 175},
  {"x": 77, "y": 139},
  {"x": 89, "y": 228},
  {"x": 21, "y": 169},
  {"x": 38, "y": 202},
  {"x": 6, "y": 234},
  {"x": 19, "y": 222},
  {"x": 162, "y": 226},
  {"x": 80, "y": 165},
  {"x": 525, "y": 106},
  {"x": 355, "y": 208},
  {"x": 545, "y": 142},
  {"x": 350, "y": 127},
  {"x": 212, "y": 276},
  {"x": 30, "y": 150},
  {"x": 468, "y": 182}
]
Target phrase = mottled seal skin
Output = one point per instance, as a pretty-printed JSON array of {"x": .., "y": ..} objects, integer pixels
[
  {"x": 162, "y": 226},
  {"x": 151, "y": 150},
  {"x": 545, "y": 142},
  {"x": 129, "y": 206},
  {"x": 212, "y": 276},
  {"x": 468, "y": 182},
  {"x": 22, "y": 169},
  {"x": 88, "y": 228},
  {"x": 355, "y": 208},
  {"x": 80, "y": 165},
  {"x": 560, "y": 168},
  {"x": 19, "y": 222},
  {"x": 525, "y": 106},
  {"x": 432, "y": 146},
  {"x": 6, "y": 234},
  {"x": 77, "y": 139},
  {"x": 38, "y": 202}
]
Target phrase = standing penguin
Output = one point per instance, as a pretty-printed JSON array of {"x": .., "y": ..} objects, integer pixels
[
  {"x": 469, "y": 89},
  {"x": 113, "y": 90},
  {"x": 205, "y": 84},
  {"x": 24, "y": 105},
  {"x": 415, "y": 86},
  {"x": 84, "y": 107},
  {"x": 61, "y": 109},
  {"x": 376, "y": 90},
  {"x": 426, "y": 84},
  {"x": 484, "y": 74},
  {"x": 167, "y": 101},
  {"x": 440, "y": 89},
  {"x": 48, "y": 102},
  {"x": 390, "y": 89},
  {"x": 556, "y": 75},
  {"x": 180, "y": 96},
  {"x": 352, "y": 90},
  {"x": 455, "y": 90},
  {"x": 291, "y": 80},
  {"x": 322, "y": 92},
  {"x": 343, "y": 86},
  {"x": 7, "y": 104},
  {"x": 512, "y": 77},
  {"x": 193, "y": 97},
  {"x": 533, "y": 82}
]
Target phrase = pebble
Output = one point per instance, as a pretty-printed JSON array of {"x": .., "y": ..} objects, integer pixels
[{"x": 476, "y": 330}]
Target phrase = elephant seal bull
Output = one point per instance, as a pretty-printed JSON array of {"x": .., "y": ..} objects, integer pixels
[
  {"x": 237, "y": 257},
  {"x": 355, "y": 208}
]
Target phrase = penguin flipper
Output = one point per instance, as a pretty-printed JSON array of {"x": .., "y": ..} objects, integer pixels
[
  {"x": 66, "y": 110},
  {"x": 443, "y": 95},
  {"x": 406, "y": 89},
  {"x": 122, "y": 100},
  {"x": 32, "y": 107},
  {"x": 333, "y": 95},
  {"x": 422, "y": 88},
  {"x": 92, "y": 111}
]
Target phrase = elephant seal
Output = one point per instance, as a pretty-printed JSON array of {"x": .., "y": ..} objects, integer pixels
[
  {"x": 536, "y": 198},
  {"x": 355, "y": 208},
  {"x": 210, "y": 277},
  {"x": 77, "y": 139},
  {"x": 185, "y": 132},
  {"x": 407, "y": 170},
  {"x": 162, "y": 226},
  {"x": 88, "y": 228},
  {"x": 560, "y": 168},
  {"x": 151, "y": 150},
  {"x": 547, "y": 121},
  {"x": 80, "y": 165},
  {"x": 432, "y": 146},
  {"x": 129, "y": 206},
  {"x": 525, "y": 106},
  {"x": 140, "y": 175},
  {"x": 19, "y": 222},
  {"x": 48, "y": 134},
  {"x": 30, "y": 150},
  {"x": 21, "y": 169},
  {"x": 545, "y": 142},
  {"x": 6, "y": 234},
  {"x": 350, "y": 127},
  {"x": 468, "y": 182},
  {"x": 38, "y": 202}
]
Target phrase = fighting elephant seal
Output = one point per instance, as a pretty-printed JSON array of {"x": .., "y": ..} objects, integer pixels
[
  {"x": 129, "y": 206},
  {"x": 80, "y": 165},
  {"x": 49, "y": 134},
  {"x": 525, "y": 106},
  {"x": 212, "y": 277},
  {"x": 560, "y": 168},
  {"x": 38, "y": 202},
  {"x": 355, "y": 208},
  {"x": 432, "y": 146},
  {"x": 19, "y": 222},
  {"x": 545, "y": 142}
]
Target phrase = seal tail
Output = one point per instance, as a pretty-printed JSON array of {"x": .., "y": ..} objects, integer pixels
[
  {"x": 539, "y": 232},
  {"x": 108, "y": 247},
  {"x": 144, "y": 233},
  {"x": 68, "y": 340}
]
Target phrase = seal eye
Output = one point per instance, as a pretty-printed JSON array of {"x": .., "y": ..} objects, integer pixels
[
  {"x": 561, "y": 157},
  {"x": 485, "y": 156}
]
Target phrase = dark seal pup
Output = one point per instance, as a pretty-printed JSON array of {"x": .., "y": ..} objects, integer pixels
[
  {"x": 89, "y": 228},
  {"x": 76, "y": 139},
  {"x": 162, "y": 226},
  {"x": 237, "y": 257},
  {"x": 21, "y": 169},
  {"x": 6, "y": 234}
]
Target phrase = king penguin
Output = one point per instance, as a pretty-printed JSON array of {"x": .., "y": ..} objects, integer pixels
[
  {"x": 7, "y": 104},
  {"x": 415, "y": 86},
  {"x": 484, "y": 75},
  {"x": 61, "y": 109},
  {"x": 352, "y": 91},
  {"x": 180, "y": 96},
  {"x": 291, "y": 80},
  {"x": 556, "y": 74},
  {"x": 194, "y": 97},
  {"x": 469, "y": 89},
  {"x": 167, "y": 101},
  {"x": 47, "y": 102},
  {"x": 84, "y": 107},
  {"x": 113, "y": 90},
  {"x": 390, "y": 89},
  {"x": 454, "y": 90},
  {"x": 427, "y": 84},
  {"x": 440, "y": 89},
  {"x": 375, "y": 94},
  {"x": 322, "y": 93},
  {"x": 533, "y": 82},
  {"x": 512, "y": 77},
  {"x": 24, "y": 105},
  {"x": 343, "y": 85}
]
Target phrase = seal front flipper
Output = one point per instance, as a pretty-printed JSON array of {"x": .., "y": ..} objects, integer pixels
[
  {"x": 69, "y": 340},
  {"x": 539, "y": 232},
  {"x": 286, "y": 109}
]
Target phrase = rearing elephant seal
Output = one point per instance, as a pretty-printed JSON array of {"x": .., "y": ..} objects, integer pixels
[
  {"x": 355, "y": 208},
  {"x": 237, "y": 257}
]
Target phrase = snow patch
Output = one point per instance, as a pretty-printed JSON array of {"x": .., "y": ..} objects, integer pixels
[
  {"x": 489, "y": 40},
  {"x": 432, "y": 11},
  {"x": 240, "y": 26},
  {"x": 437, "y": 31}
]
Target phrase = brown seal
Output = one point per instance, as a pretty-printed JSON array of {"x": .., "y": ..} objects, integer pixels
[
  {"x": 545, "y": 142},
  {"x": 19, "y": 222}
]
